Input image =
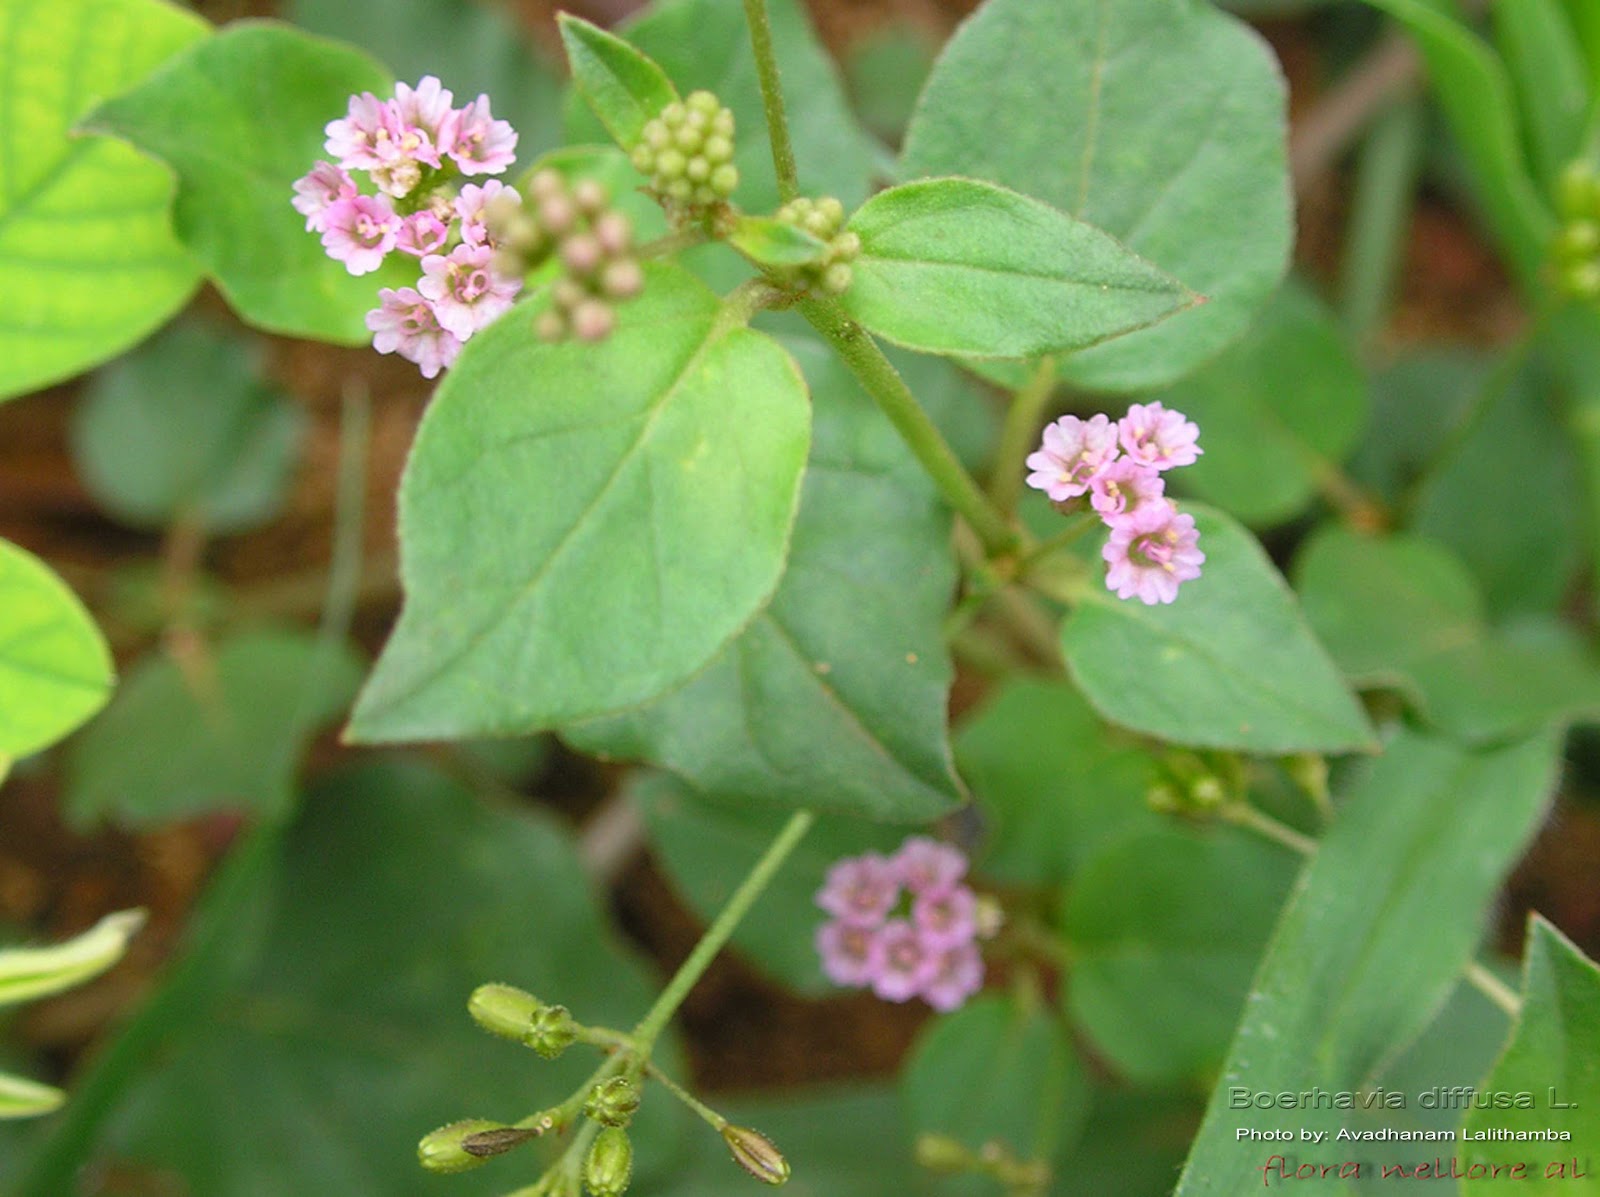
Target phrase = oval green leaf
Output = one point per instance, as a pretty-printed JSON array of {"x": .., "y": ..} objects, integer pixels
[
  {"x": 584, "y": 526},
  {"x": 185, "y": 425},
  {"x": 835, "y": 696},
  {"x": 55, "y": 668},
  {"x": 172, "y": 745},
  {"x": 265, "y": 91},
  {"x": 623, "y": 87},
  {"x": 1230, "y": 664},
  {"x": 960, "y": 266},
  {"x": 1161, "y": 122},
  {"x": 85, "y": 227}
]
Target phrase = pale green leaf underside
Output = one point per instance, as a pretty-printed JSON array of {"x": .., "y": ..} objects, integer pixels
[
  {"x": 22, "y": 1098},
  {"x": 962, "y": 266},
  {"x": 1161, "y": 122},
  {"x": 266, "y": 92},
  {"x": 28, "y": 973},
  {"x": 55, "y": 668},
  {"x": 87, "y": 251},
  {"x": 583, "y": 527},
  {"x": 1230, "y": 664}
]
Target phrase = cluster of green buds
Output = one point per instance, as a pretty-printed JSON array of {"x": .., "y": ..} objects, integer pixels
[
  {"x": 598, "y": 1158},
  {"x": 824, "y": 219},
  {"x": 951, "y": 1157},
  {"x": 591, "y": 242},
  {"x": 1198, "y": 785},
  {"x": 687, "y": 151},
  {"x": 1576, "y": 251}
]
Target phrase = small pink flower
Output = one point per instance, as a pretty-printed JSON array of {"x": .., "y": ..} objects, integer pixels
[
  {"x": 1124, "y": 486},
  {"x": 946, "y": 917},
  {"x": 422, "y": 115},
  {"x": 469, "y": 206},
  {"x": 907, "y": 962},
  {"x": 1150, "y": 552},
  {"x": 850, "y": 953},
  {"x": 860, "y": 889},
  {"x": 957, "y": 975},
  {"x": 466, "y": 293},
  {"x": 363, "y": 138},
  {"x": 479, "y": 144},
  {"x": 1153, "y": 436},
  {"x": 318, "y": 190},
  {"x": 924, "y": 865},
  {"x": 360, "y": 231},
  {"x": 422, "y": 233},
  {"x": 406, "y": 324},
  {"x": 1072, "y": 451}
]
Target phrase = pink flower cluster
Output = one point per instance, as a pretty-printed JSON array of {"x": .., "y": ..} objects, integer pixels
[
  {"x": 1152, "y": 547},
  {"x": 928, "y": 951},
  {"x": 413, "y": 148}
]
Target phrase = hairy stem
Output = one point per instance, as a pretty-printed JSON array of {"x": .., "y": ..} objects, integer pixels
[
  {"x": 883, "y": 382},
  {"x": 655, "y": 1021},
  {"x": 755, "y": 12},
  {"x": 1021, "y": 426}
]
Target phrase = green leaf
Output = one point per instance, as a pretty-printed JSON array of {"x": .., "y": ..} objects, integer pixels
[
  {"x": 55, "y": 668},
  {"x": 1230, "y": 664},
  {"x": 1429, "y": 640},
  {"x": 397, "y": 894},
  {"x": 1522, "y": 565},
  {"x": 999, "y": 1068},
  {"x": 185, "y": 426},
  {"x": 1585, "y": 19},
  {"x": 1160, "y": 967},
  {"x": 708, "y": 848},
  {"x": 1055, "y": 784},
  {"x": 1381, "y": 923},
  {"x": 1477, "y": 99},
  {"x": 960, "y": 266},
  {"x": 222, "y": 733},
  {"x": 835, "y": 696},
  {"x": 1165, "y": 128},
  {"x": 473, "y": 49},
  {"x": 1554, "y": 1056},
  {"x": 265, "y": 91},
  {"x": 1278, "y": 411},
  {"x": 584, "y": 526},
  {"x": 28, "y": 973},
  {"x": 1542, "y": 54},
  {"x": 1132, "y": 1145},
  {"x": 1413, "y": 398},
  {"x": 85, "y": 231},
  {"x": 623, "y": 87},
  {"x": 706, "y": 44},
  {"x": 22, "y": 1098},
  {"x": 768, "y": 241}
]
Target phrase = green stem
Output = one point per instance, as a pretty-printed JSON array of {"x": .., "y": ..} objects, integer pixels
[
  {"x": 883, "y": 382},
  {"x": 716, "y": 1120},
  {"x": 755, "y": 12},
  {"x": 1386, "y": 183},
  {"x": 1018, "y": 433},
  {"x": 655, "y": 1020}
]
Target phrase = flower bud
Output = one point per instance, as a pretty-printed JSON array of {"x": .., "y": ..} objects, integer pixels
[
  {"x": 622, "y": 279},
  {"x": 755, "y": 1153},
  {"x": 444, "y": 1150},
  {"x": 836, "y": 279},
  {"x": 504, "y": 1010},
  {"x": 610, "y": 1164},
  {"x": 592, "y": 321},
  {"x": 581, "y": 253},
  {"x": 941, "y": 1153},
  {"x": 613, "y": 1102},
  {"x": 553, "y": 1031},
  {"x": 1578, "y": 193},
  {"x": 550, "y": 326}
]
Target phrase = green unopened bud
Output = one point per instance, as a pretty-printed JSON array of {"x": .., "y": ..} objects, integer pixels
[
  {"x": 836, "y": 279},
  {"x": 553, "y": 1031},
  {"x": 1163, "y": 798},
  {"x": 725, "y": 179},
  {"x": 613, "y": 1102},
  {"x": 609, "y": 1168},
  {"x": 1309, "y": 771},
  {"x": 1579, "y": 240},
  {"x": 504, "y": 1010},
  {"x": 1578, "y": 194},
  {"x": 755, "y": 1153},
  {"x": 941, "y": 1153},
  {"x": 444, "y": 1150}
]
